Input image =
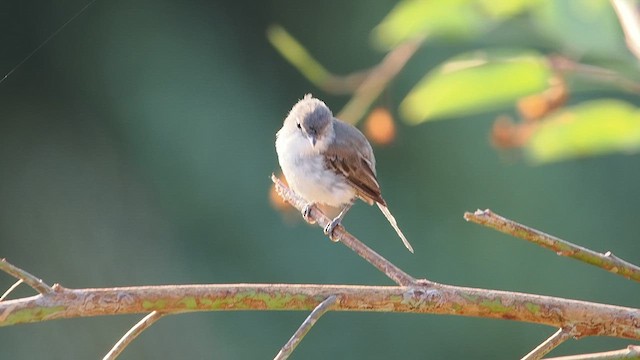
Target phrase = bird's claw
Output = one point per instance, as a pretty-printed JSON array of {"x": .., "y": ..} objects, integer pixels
[
  {"x": 306, "y": 213},
  {"x": 328, "y": 230}
]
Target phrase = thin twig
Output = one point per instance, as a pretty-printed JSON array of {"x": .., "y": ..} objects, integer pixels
[
  {"x": 37, "y": 284},
  {"x": 632, "y": 352},
  {"x": 58, "y": 30},
  {"x": 133, "y": 333},
  {"x": 382, "y": 264},
  {"x": 627, "y": 12},
  {"x": 366, "y": 85},
  {"x": 302, "y": 331},
  {"x": 377, "y": 80},
  {"x": 551, "y": 343},
  {"x": 9, "y": 290},
  {"x": 561, "y": 247},
  {"x": 592, "y": 72}
]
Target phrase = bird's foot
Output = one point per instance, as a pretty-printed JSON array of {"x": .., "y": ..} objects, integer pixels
[
  {"x": 306, "y": 213},
  {"x": 328, "y": 230}
]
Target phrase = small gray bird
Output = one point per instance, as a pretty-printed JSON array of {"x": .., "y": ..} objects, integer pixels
[{"x": 329, "y": 162}]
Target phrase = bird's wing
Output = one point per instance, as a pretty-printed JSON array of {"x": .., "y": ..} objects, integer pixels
[{"x": 352, "y": 157}]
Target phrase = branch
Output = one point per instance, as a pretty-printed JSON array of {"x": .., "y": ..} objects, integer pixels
[
  {"x": 350, "y": 241},
  {"x": 606, "y": 261},
  {"x": 632, "y": 352},
  {"x": 377, "y": 79},
  {"x": 423, "y": 297},
  {"x": 37, "y": 284},
  {"x": 565, "y": 64},
  {"x": 10, "y": 289},
  {"x": 295, "y": 53},
  {"x": 366, "y": 85},
  {"x": 302, "y": 331},
  {"x": 551, "y": 343},
  {"x": 630, "y": 21},
  {"x": 133, "y": 333},
  {"x": 587, "y": 318}
]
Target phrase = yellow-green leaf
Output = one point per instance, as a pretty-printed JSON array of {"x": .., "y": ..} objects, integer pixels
[
  {"x": 591, "y": 128},
  {"x": 412, "y": 18},
  {"x": 458, "y": 18},
  {"x": 505, "y": 9},
  {"x": 474, "y": 83}
]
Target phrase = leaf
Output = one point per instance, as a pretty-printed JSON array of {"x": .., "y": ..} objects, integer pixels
[
  {"x": 505, "y": 9},
  {"x": 413, "y": 18},
  {"x": 581, "y": 28},
  {"x": 454, "y": 18},
  {"x": 591, "y": 128},
  {"x": 474, "y": 83}
]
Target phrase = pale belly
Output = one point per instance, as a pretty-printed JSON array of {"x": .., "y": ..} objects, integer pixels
[{"x": 308, "y": 177}]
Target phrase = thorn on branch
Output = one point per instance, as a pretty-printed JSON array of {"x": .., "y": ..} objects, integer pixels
[{"x": 609, "y": 254}]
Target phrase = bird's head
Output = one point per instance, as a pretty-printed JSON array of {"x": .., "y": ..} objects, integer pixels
[{"x": 313, "y": 119}]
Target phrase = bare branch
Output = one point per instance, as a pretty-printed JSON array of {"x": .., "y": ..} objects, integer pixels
[
  {"x": 10, "y": 289},
  {"x": 382, "y": 264},
  {"x": 366, "y": 85},
  {"x": 37, "y": 284},
  {"x": 561, "y": 247},
  {"x": 133, "y": 333},
  {"x": 592, "y": 72},
  {"x": 632, "y": 352},
  {"x": 587, "y": 318},
  {"x": 629, "y": 18},
  {"x": 551, "y": 343},
  {"x": 378, "y": 78},
  {"x": 302, "y": 331},
  {"x": 413, "y": 296}
]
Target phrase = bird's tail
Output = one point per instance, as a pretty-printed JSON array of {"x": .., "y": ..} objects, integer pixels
[{"x": 393, "y": 223}]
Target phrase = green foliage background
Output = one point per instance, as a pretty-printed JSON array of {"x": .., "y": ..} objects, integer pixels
[{"x": 136, "y": 146}]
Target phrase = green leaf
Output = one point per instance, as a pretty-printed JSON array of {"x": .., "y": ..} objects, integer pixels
[
  {"x": 505, "y": 9},
  {"x": 452, "y": 18},
  {"x": 581, "y": 28},
  {"x": 474, "y": 83},
  {"x": 591, "y": 128},
  {"x": 413, "y": 18}
]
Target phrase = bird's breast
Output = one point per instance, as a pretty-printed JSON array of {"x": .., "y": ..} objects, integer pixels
[{"x": 307, "y": 174}]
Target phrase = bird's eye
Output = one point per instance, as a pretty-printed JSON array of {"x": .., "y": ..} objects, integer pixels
[{"x": 299, "y": 127}]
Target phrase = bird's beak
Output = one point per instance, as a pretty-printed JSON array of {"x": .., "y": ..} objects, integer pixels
[{"x": 312, "y": 140}]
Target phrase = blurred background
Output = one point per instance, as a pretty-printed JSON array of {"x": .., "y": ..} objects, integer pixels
[{"x": 136, "y": 148}]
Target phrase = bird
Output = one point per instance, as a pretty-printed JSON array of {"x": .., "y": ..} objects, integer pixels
[{"x": 327, "y": 161}]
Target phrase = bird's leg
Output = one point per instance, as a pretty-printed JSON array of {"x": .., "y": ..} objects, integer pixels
[
  {"x": 328, "y": 230},
  {"x": 306, "y": 213}
]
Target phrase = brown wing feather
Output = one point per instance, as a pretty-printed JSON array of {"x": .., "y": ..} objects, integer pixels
[{"x": 352, "y": 157}]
